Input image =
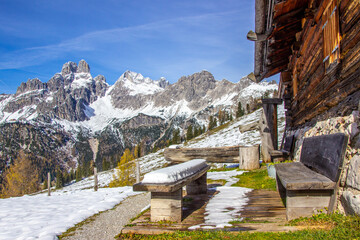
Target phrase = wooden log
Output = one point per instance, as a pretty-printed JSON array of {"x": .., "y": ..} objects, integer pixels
[
  {"x": 249, "y": 158},
  {"x": 216, "y": 154}
]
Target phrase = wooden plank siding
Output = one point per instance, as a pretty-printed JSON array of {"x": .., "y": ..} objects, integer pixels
[{"x": 319, "y": 85}]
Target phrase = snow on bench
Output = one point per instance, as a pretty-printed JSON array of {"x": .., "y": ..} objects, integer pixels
[
  {"x": 175, "y": 173},
  {"x": 166, "y": 185}
]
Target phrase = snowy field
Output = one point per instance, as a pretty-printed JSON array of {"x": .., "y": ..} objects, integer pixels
[{"x": 44, "y": 217}]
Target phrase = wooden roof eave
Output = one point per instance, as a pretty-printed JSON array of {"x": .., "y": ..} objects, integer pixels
[{"x": 260, "y": 28}]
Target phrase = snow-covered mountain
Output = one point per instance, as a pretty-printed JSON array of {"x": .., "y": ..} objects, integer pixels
[{"x": 56, "y": 119}]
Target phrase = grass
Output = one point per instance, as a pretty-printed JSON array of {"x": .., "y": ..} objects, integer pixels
[
  {"x": 256, "y": 179},
  {"x": 246, "y": 220},
  {"x": 339, "y": 227},
  {"x": 223, "y": 169},
  {"x": 218, "y": 181}
]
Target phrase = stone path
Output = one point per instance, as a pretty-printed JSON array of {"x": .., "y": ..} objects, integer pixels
[{"x": 108, "y": 224}]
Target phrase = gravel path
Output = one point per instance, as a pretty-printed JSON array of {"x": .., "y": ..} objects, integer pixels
[{"x": 108, "y": 224}]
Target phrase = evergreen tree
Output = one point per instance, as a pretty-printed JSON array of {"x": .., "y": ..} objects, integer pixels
[
  {"x": 22, "y": 177},
  {"x": 211, "y": 119},
  {"x": 45, "y": 184},
  {"x": 196, "y": 131},
  {"x": 137, "y": 151},
  {"x": 189, "y": 133},
  {"x": 231, "y": 117},
  {"x": 78, "y": 174},
  {"x": 248, "y": 108},
  {"x": 72, "y": 174},
  {"x": 176, "y": 136},
  {"x": 59, "y": 179},
  {"x": 66, "y": 178},
  {"x": 240, "y": 111},
  {"x": 203, "y": 129}
]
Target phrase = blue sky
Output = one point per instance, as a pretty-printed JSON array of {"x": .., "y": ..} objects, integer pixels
[{"x": 158, "y": 38}]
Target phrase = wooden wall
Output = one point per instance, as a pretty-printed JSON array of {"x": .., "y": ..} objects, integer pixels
[{"x": 314, "y": 88}]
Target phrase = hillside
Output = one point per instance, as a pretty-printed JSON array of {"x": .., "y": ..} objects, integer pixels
[{"x": 78, "y": 201}]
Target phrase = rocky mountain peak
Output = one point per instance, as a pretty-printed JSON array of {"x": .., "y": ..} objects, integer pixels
[
  {"x": 30, "y": 85},
  {"x": 83, "y": 67},
  {"x": 69, "y": 67},
  {"x": 162, "y": 82},
  {"x": 134, "y": 77}
]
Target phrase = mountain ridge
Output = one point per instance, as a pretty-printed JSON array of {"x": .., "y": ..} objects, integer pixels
[{"x": 135, "y": 109}]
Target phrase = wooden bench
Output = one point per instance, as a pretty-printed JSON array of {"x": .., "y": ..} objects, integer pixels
[
  {"x": 310, "y": 184},
  {"x": 166, "y": 186},
  {"x": 286, "y": 152}
]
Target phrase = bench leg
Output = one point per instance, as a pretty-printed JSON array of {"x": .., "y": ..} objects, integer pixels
[
  {"x": 166, "y": 206},
  {"x": 305, "y": 203},
  {"x": 198, "y": 186}
]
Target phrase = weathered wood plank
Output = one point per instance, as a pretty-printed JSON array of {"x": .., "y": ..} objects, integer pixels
[
  {"x": 325, "y": 154},
  {"x": 296, "y": 176},
  {"x": 216, "y": 154}
]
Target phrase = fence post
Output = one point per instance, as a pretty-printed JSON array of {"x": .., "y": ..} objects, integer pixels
[
  {"x": 95, "y": 179},
  {"x": 49, "y": 183},
  {"x": 137, "y": 171}
]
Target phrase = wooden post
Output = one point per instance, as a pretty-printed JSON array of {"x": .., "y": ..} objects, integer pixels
[
  {"x": 166, "y": 206},
  {"x": 137, "y": 171},
  {"x": 268, "y": 127},
  {"x": 249, "y": 157},
  {"x": 95, "y": 179},
  {"x": 198, "y": 186},
  {"x": 49, "y": 184}
]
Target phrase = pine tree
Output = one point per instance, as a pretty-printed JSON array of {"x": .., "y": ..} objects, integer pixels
[
  {"x": 240, "y": 111},
  {"x": 78, "y": 176},
  {"x": 211, "y": 119},
  {"x": 45, "y": 184},
  {"x": 176, "y": 136},
  {"x": 22, "y": 177},
  {"x": 248, "y": 108},
  {"x": 59, "y": 179},
  {"x": 66, "y": 178},
  {"x": 137, "y": 151},
  {"x": 189, "y": 133}
]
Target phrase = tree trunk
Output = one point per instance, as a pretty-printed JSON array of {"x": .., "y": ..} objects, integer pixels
[{"x": 249, "y": 157}]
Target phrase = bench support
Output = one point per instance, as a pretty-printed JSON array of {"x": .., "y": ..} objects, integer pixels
[
  {"x": 303, "y": 203},
  {"x": 166, "y": 206},
  {"x": 197, "y": 186},
  {"x": 306, "y": 203}
]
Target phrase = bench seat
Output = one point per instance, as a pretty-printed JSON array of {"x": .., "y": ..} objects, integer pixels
[{"x": 304, "y": 179}]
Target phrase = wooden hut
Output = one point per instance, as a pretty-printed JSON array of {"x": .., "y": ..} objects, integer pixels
[{"x": 315, "y": 46}]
